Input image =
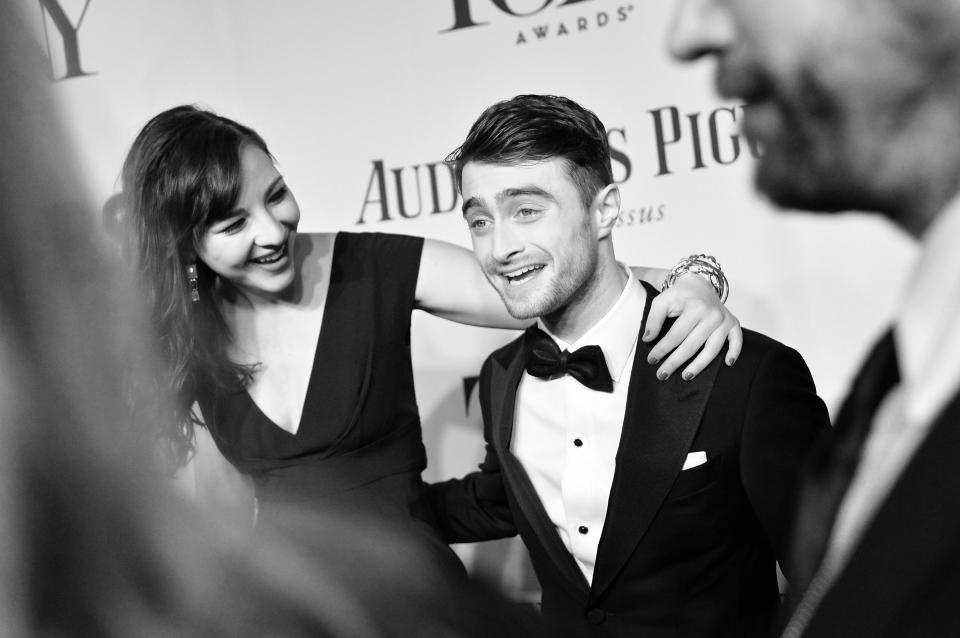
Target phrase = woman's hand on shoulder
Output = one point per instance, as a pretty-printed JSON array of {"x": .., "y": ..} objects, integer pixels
[{"x": 702, "y": 321}]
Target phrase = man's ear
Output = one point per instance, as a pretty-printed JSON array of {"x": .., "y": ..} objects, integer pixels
[{"x": 606, "y": 208}]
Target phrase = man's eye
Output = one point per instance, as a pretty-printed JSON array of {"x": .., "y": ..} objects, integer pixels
[
  {"x": 477, "y": 224},
  {"x": 527, "y": 212}
]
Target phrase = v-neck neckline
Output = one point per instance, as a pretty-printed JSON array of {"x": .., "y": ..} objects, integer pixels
[{"x": 308, "y": 395}]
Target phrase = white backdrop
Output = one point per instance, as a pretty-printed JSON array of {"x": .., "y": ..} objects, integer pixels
[{"x": 346, "y": 92}]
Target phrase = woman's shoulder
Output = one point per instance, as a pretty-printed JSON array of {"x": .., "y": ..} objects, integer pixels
[
  {"x": 388, "y": 262},
  {"x": 377, "y": 238},
  {"x": 374, "y": 245},
  {"x": 356, "y": 248}
]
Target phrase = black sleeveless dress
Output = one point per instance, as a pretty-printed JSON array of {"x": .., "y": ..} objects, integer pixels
[{"x": 359, "y": 445}]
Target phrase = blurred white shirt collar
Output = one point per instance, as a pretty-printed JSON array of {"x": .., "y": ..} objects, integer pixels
[{"x": 927, "y": 324}]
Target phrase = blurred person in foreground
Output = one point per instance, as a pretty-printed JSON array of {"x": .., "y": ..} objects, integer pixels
[
  {"x": 93, "y": 541},
  {"x": 857, "y": 107},
  {"x": 649, "y": 508}
]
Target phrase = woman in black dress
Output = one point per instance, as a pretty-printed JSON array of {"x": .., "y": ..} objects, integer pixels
[
  {"x": 293, "y": 349},
  {"x": 91, "y": 544}
]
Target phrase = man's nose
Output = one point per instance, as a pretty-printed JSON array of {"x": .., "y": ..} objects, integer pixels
[
  {"x": 699, "y": 27},
  {"x": 506, "y": 241}
]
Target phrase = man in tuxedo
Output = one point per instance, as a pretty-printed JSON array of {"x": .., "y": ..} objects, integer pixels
[
  {"x": 856, "y": 106},
  {"x": 649, "y": 508}
]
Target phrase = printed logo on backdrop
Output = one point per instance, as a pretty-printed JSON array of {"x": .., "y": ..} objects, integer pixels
[
  {"x": 534, "y": 20},
  {"x": 62, "y": 37},
  {"x": 680, "y": 141},
  {"x": 696, "y": 140}
]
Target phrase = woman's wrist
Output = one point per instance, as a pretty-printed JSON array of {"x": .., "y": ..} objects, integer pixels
[{"x": 705, "y": 266}]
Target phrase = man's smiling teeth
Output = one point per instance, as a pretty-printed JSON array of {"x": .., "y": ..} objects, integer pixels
[{"x": 521, "y": 275}]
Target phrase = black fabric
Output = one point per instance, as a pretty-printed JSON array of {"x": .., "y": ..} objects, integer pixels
[
  {"x": 903, "y": 578},
  {"x": 683, "y": 552},
  {"x": 830, "y": 477},
  {"x": 358, "y": 446},
  {"x": 546, "y": 360}
]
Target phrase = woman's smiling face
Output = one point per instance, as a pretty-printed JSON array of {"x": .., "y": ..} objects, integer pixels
[{"x": 252, "y": 247}]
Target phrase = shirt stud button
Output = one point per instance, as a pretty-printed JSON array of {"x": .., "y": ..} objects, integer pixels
[
  {"x": 583, "y": 529},
  {"x": 578, "y": 442}
]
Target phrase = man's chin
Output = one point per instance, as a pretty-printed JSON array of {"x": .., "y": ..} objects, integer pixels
[
  {"x": 520, "y": 310},
  {"x": 521, "y": 313},
  {"x": 806, "y": 195}
]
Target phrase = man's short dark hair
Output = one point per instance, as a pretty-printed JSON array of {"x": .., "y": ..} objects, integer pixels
[{"x": 535, "y": 128}]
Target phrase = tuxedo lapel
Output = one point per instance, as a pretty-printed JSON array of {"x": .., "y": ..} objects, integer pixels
[
  {"x": 914, "y": 536},
  {"x": 505, "y": 377},
  {"x": 660, "y": 422},
  {"x": 828, "y": 480}
]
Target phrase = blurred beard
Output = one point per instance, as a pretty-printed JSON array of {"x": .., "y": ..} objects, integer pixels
[{"x": 804, "y": 164}]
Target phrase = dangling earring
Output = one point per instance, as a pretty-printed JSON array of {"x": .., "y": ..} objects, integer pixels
[{"x": 193, "y": 282}]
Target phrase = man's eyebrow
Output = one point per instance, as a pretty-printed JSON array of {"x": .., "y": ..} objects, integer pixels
[
  {"x": 525, "y": 190},
  {"x": 470, "y": 203},
  {"x": 507, "y": 193}
]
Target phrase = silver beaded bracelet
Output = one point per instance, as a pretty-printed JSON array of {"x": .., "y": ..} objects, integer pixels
[{"x": 704, "y": 265}]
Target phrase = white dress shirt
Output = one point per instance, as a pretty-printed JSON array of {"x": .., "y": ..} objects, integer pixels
[
  {"x": 566, "y": 435},
  {"x": 927, "y": 340}
]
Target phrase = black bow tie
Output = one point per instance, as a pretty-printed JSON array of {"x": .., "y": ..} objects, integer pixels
[{"x": 586, "y": 364}]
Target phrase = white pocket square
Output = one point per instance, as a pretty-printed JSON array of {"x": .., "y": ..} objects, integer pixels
[{"x": 694, "y": 459}]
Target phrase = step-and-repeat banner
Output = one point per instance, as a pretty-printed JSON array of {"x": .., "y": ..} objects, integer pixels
[{"x": 361, "y": 101}]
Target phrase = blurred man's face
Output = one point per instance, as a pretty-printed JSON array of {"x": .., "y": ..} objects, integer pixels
[{"x": 834, "y": 89}]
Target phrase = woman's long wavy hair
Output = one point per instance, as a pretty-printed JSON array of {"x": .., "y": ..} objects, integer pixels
[
  {"x": 181, "y": 175},
  {"x": 91, "y": 542}
]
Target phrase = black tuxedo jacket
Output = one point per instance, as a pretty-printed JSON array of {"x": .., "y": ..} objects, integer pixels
[
  {"x": 903, "y": 578},
  {"x": 683, "y": 553}
]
